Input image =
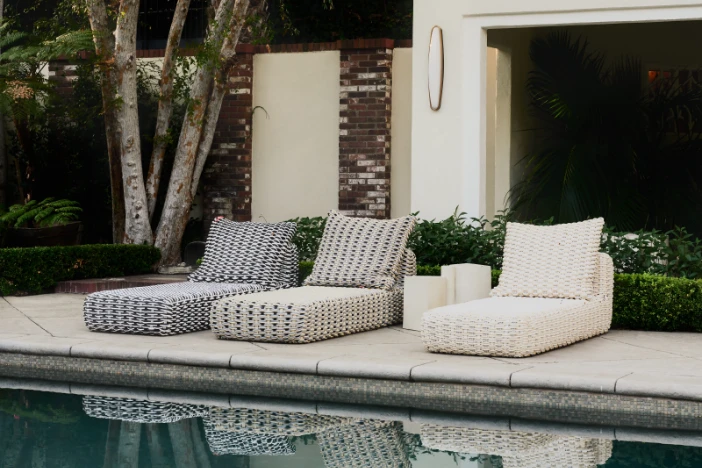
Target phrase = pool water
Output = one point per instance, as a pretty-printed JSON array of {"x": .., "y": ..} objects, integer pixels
[{"x": 57, "y": 430}]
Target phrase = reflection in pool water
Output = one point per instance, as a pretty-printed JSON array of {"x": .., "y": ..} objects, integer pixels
[{"x": 55, "y": 430}]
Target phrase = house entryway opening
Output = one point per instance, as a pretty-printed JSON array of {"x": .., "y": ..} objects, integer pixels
[{"x": 599, "y": 85}]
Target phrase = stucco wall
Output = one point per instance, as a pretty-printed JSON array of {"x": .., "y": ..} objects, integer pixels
[
  {"x": 401, "y": 149},
  {"x": 296, "y": 149},
  {"x": 449, "y": 146}
]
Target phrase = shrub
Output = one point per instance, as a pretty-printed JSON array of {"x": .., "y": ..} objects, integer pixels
[
  {"x": 305, "y": 270},
  {"x": 308, "y": 235},
  {"x": 657, "y": 303},
  {"x": 48, "y": 212},
  {"x": 33, "y": 270}
]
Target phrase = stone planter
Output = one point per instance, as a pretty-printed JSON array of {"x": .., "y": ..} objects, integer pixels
[{"x": 65, "y": 234}]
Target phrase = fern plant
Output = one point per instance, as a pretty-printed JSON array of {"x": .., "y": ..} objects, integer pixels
[{"x": 48, "y": 212}]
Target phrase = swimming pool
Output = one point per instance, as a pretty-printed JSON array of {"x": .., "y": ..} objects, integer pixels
[{"x": 112, "y": 428}]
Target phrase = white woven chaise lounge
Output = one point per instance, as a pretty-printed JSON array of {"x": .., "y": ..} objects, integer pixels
[
  {"x": 240, "y": 258},
  {"x": 356, "y": 285},
  {"x": 555, "y": 290},
  {"x": 519, "y": 449}
]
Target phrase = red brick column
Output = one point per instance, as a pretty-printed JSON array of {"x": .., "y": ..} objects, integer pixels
[
  {"x": 364, "y": 129},
  {"x": 62, "y": 74},
  {"x": 226, "y": 181}
]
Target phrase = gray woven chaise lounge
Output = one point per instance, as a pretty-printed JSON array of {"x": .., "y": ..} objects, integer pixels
[
  {"x": 555, "y": 290},
  {"x": 356, "y": 285},
  {"x": 240, "y": 258}
]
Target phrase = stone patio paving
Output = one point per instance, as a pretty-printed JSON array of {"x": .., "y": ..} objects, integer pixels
[{"x": 665, "y": 365}]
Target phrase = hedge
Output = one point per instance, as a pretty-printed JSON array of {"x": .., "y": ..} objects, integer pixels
[
  {"x": 657, "y": 303},
  {"x": 33, "y": 270}
]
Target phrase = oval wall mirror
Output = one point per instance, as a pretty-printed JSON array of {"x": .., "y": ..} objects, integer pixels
[{"x": 436, "y": 68}]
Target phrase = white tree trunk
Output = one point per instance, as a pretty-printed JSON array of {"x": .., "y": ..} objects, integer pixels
[
  {"x": 165, "y": 105},
  {"x": 129, "y": 442},
  {"x": 137, "y": 226},
  {"x": 104, "y": 49},
  {"x": 225, "y": 31}
]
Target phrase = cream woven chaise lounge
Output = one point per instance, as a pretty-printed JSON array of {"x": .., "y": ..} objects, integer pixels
[
  {"x": 356, "y": 285},
  {"x": 519, "y": 449},
  {"x": 555, "y": 290},
  {"x": 240, "y": 258}
]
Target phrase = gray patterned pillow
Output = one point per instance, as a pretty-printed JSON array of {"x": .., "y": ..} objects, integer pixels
[
  {"x": 550, "y": 261},
  {"x": 251, "y": 253},
  {"x": 361, "y": 252}
]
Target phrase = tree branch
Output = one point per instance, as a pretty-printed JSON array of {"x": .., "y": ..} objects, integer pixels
[{"x": 165, "y": 105}]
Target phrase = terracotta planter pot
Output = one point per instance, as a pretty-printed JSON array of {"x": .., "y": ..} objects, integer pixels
[{"x": 66, "y": 234}]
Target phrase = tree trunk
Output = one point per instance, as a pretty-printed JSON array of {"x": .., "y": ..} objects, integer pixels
[
  {"x": 179, "y": 197},
  {"x": 201, "y": 453},
  {"x": 104, "y": 50},
  {"x": 157, "y": 447},
  {"x": 137, "y": 227},
  {"x": 129, "y": 441},
  {"x": 182, "y": 443},
  {"x": 165, "y": 105},
  {"x": 111, "y": 444}
]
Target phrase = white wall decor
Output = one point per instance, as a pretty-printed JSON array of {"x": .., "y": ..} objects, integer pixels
[{"x": 436, "y": 68}]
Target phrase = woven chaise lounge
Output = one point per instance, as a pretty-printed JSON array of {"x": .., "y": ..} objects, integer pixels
[
  {"x": 345, "y": 442},
  {"x": 140, "y": 411},
  {"x": 356, "y": 285},
  {"x": 555, "y": 290},
  {"x": 240, "y": 258},
  {"x": 519, "y": 449}
]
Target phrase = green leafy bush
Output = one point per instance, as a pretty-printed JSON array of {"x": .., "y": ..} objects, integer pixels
[
  {"x": 33, "y": 270},
  {"x": 657, "y": 303},
  {"x": 48, "y": 212},
  {"x": 305, "y": 270},
  {"x": 308, "y": 235}
]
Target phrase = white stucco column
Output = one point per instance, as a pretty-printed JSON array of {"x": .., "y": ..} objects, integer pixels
[{"x": 473, "y": 170}]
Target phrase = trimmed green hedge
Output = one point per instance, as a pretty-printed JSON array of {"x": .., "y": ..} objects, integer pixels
[
  {"x": 657, "y": 303},
  {"x": 33, "y": 270}
]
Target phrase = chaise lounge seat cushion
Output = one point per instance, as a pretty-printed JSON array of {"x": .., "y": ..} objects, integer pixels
[
  {"x": 240, "y": 258},
  {"x": 511, "y": 326},
  {"x": 165, "y": 309},
  {"x": 305, "y": 315}
]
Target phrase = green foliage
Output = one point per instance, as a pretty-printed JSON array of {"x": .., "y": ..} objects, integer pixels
[
  {"x": 323, "y": 20},
  {"x": 657, "y": 303},
  {"x": 458, "y": 240},
  {"x": 639, "y": 455},
  {"x": 606, "y": 144},
  {"x": 308, "y": 235},
  {"x": 305, "y": 270},
  {"x": 675, "y": 253},
  {"x": 48, "y": 212},
  {"x": 37, "y": 407},
  {"x": 33, "y": 270}
]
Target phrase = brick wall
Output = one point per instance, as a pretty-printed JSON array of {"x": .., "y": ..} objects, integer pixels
[
  {"x": 226, "y": 181},
  {"x": 364, "y": 132},
  {"x": 364, "y": 128},
  {"x": 62, "y": 73}
]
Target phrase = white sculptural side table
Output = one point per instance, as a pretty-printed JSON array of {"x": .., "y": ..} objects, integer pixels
[{"x": 456, "y": 285}]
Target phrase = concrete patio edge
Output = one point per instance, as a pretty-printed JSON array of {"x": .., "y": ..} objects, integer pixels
[{"x": 623, "y": 383}]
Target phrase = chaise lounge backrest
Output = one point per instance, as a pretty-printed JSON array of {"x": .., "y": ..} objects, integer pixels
[
  {"x": 561, "y": 261},
  {"x": 251, "y": 253},
  {"x": 363, "y": 253}
]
